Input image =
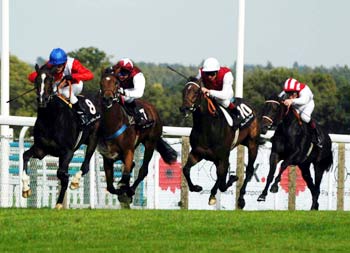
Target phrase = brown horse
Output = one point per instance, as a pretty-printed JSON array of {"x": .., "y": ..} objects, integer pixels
[
  {"x": 212, "y": 138},
  {"x": 121, "y": 137}
]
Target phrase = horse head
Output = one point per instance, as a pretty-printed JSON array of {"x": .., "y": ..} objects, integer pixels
[
  {"x": 272, "y": 113},
  {"x": 191, "y": 95},
  {"x": 109, "y": 88},
  {"x": 44, "y": 84}
]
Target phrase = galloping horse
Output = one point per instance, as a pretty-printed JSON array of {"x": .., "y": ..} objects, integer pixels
[
  {"x": 57, "y": 133},
  {"x": 212, "y": 138},
  {"x": 292, "y": 144},
  {"x": 121, "y": 137}
]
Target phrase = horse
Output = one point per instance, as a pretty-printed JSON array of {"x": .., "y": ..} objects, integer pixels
[
  {"x": 213, "y": 137},
  {"x": 57, "y": 133},
  {"x": 120, "y": 137},
  {"x": 292, "y": 143}
]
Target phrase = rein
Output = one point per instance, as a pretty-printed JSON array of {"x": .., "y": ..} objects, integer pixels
[{"x": 211, "y": 106}]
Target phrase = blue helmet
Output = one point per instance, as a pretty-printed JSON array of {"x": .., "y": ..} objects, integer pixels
[{"x": 58, "y": 56}]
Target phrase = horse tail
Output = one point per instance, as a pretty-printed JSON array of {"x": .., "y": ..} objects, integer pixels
[
  {"x": 168, "y": 154},
  {"x": 328, "y": 161}
]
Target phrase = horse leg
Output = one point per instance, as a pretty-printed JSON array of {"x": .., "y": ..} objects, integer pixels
[
  {"x": 35, "y": 153},
  {"x": 274, "y": 187},
  {"x": 123, "y": 188},
  {"x": 221, "y": 171},
  {"x": 63, "y": 176},
  {"x": 319, "y": 171},
  {"x": 149, "y": 149},
  {"x": 108, "y": 168},
  {"x": 274, "y": 159},
  {"x": 85, "y": 167},
  {"x": 214, "y": 190},
  {"x": 305, "y": 172},
  {"x": 252, "y": 153},
  {"x": 192, "y": 159}
]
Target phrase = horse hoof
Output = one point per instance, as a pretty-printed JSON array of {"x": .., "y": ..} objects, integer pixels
[
  {"x": 124, "y": 199},
  {"x": 26, "y": 194},
  {"x": 212, "y": 200},
  {"x": 314, "y": 207},
  {"x": 241, "y": 203},
  {"x": 262, "y": 198},
  {"x": 196, "y": 188},
  {"x": 274, "y": 189},
  {"x": 74, "y": 186},
  {"x": 233, "y": 178},
  {"x": 59, "y": 206}
]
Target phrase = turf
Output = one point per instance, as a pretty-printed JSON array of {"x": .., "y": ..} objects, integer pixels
[{"x": 45, "y": 230}]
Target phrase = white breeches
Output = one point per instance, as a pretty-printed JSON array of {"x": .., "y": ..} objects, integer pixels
[
  {"x": 305, "y": 111},
  {"x": 76, "y": 90},
  {"x": 224, "y": 102}
]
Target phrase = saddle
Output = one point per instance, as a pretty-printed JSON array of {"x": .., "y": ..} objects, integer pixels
[
  {"x": 88, "y": 109},
  {"x": 243, "y": 114}
]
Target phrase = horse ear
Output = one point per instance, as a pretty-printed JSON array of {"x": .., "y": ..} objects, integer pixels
[{"x": 37, "y": 67}]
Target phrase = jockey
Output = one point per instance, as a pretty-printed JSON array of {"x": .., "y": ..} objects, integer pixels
[
  {"x": 300, "y": 96},
  {"x": 132, "y": 86},
  {"x": 218, "y": 83},
  {"x": 68, "y": 69}
]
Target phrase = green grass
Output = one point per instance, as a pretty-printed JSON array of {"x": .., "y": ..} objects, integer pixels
[{"x": 44, "y": 230}]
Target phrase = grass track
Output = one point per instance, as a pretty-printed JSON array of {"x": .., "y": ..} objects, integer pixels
[{"x": 45, "y": 230}]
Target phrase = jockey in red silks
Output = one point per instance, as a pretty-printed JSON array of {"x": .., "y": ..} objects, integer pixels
[
  {"x": 68, "y": 69},
  {"x": 300, "y": 96},
  {"x": 132, "y": 86},
  {"x": 218, "y": 82}
]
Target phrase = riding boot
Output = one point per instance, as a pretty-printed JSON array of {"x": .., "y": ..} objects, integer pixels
[
  {"x": 315, "y": 134},
  {"x": 236, "y": 116},
  {"x": 139, "y": 117},
  {"x": 83, "y": 119}
]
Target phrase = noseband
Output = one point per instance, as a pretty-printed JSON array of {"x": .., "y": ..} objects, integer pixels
[{"x": 269, "y": 119}]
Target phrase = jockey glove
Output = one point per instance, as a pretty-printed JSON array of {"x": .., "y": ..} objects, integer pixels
[
  {"x": 68, "y": 77},
  {"x": 121, "y": 91}
]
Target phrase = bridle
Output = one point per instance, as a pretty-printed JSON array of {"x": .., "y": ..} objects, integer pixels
[
  {"x": 269, "y": 119},
  {"x": 109, "y": 100}
]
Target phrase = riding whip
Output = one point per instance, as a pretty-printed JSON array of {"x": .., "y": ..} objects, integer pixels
[
  {"x": 177, "y": 72},
  {"x": 20, "y": 95}
]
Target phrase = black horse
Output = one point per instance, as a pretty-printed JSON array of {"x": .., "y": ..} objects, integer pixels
[
  {"x": 292, "y": 144},
  {"x": 213, "y": 137},
  {"x": 121, "y": 137},
  {"x": 57, "y": 132}
]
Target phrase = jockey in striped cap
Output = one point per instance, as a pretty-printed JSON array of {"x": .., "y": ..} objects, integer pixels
[{"x": 300, "y": 96}]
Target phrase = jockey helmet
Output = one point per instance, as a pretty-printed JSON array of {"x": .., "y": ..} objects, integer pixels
[
  {"x": 291, "y": 84},
  {"x": 211, "y": 64},
  {"x": 125, "y": 64},
  {"x": 58, "y": 56}
]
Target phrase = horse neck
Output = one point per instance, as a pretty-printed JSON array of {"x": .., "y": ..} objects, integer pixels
[
  {"x": 113, "y": 118},
  {"x": 203, "y": 117}
]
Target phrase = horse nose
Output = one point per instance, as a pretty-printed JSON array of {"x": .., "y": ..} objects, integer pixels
[{"x": 107, "y": 100}]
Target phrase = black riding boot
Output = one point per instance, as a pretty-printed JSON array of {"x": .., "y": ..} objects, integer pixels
[
  {"x": 83, "y": 119},
  {"x": 139, "y": 117},
  {"x": 236, "y": 116},
  {"x": 315, "y": 134}
]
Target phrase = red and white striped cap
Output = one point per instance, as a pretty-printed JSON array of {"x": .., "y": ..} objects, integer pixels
[{"x": 292, "y": 84}]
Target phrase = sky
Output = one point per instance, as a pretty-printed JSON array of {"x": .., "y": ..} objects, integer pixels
[{"x": 310, "y": 32}]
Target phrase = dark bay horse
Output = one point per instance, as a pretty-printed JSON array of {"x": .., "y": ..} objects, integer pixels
[
  {"x": 57, "y": 133},
  {"x": 212, "y": 138},
  {"x": 121, "y": 137},
  {"x": 292, "y": 144}
]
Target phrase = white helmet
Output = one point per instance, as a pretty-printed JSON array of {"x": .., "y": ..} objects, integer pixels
[{"x": 211, "y": 64}]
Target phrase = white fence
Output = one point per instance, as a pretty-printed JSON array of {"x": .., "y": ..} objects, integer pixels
[{"x": 162, "y": 187}]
